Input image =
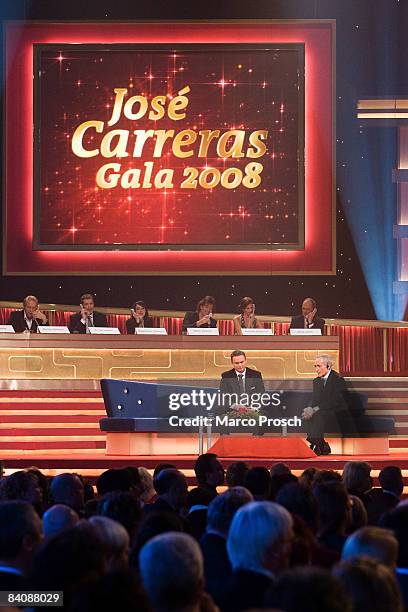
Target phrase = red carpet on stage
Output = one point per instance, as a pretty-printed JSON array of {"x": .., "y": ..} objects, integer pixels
[{"x": 261, "y": 447}]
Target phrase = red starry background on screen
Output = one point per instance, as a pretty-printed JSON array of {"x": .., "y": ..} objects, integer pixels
[{"x": 229, "y": 89}]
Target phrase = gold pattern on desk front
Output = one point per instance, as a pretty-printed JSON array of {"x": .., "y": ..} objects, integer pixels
[{"x": 149, "y": 364}]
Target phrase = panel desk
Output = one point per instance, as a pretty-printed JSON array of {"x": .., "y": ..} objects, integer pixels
[{"x": 156, "y": 357}]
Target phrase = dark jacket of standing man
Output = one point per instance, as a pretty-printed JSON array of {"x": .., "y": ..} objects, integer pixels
[
  {"x": 87, "y": 317},
  {"x": 327, "y": 404},
  {"x": 308, "y": 319}
]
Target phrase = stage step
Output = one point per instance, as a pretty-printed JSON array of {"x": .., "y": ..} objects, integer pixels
[{"x": 64, "y": 421}]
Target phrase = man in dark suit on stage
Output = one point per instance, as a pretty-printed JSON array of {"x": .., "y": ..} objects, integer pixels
[
  {"x": 241, "y": 380},
  {"x": 28, "y": 319},
  {"x": 87, "y": 317},
  {"x": 308, "y": 319},
  {"x": 327, "y": 404}
]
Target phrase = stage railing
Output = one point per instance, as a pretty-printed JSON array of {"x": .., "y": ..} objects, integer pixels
[{"x": 376, "y": 348}]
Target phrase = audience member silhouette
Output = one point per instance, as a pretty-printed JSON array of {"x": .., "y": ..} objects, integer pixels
[
  {"x": 171, "y": 567},
  {"x": 258, "y": 482},
  {"x": 58, "y": 518},
  {"x": 20, "y": 535},
  {"x": 209, "y": 473},
  {"x": 308, "y": 589},
  {"x": 121, "y": 506},
  {"x": 221, "y": 511},
  {"x": 68, "y": 489},
  {"x": 334, "y": 511},
  {"x": 236, "y": 472},
  {"x": 371, "y": 586},
  {"x": 259, "y": 545}
]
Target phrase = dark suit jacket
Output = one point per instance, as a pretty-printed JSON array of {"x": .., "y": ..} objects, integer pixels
[
  {"x": 160, "y": 505},
  {"x": 77, "y": 327},
  {"x": 245, "y": 590},
  {"x": 378, "y": 502},
  {"x": 18, "y": 322},
  {"x": 217, "y": 566},
  {"x": 12, "y": 582},
  {"x": 253, "y": 382},
  {"x": 299, "y": 323},
  {"x": 131, "y": 324},
  {"x": 190, "y": 320},
  {"x": 331, "y": 399}
]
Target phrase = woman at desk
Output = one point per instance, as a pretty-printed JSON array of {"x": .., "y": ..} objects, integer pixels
[
  {"x": 246, "y": 320},
  {"x": 202, "y": 316},
  {"x": 140, "y": 317}
]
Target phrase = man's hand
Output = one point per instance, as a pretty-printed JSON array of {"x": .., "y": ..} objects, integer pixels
[
  {"x": 307, "y": 413},
  {"x": 40, "y": 315},
  {"x": 311, "y": 315},
  {"x": 84, "y": 313}
]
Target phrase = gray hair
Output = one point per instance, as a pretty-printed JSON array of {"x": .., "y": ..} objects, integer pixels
[
  {"x": 113, "y": 535},
  {"x": 171, "y": 566},
  {"x": 148, "y": 490},
  {"x": 222, "y": 509},
  {"x": 356, "y": 476},
  {"x": 257, "y": 529},
  {"x": 326, "y": 360},
  {"x": 30, "y": 298}
]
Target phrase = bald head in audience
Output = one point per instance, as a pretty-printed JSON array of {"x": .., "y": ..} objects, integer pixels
[{"x": 58, "y": 518}]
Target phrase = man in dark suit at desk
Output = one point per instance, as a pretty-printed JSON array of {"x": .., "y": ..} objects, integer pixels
[
  {"x": 87, "y": 317},
  {"x": 241, "y": 380},
  {"x": 308, "y": 319},
  {"x": 28, "y": 319},
  {"x": 327, "y": 404}
]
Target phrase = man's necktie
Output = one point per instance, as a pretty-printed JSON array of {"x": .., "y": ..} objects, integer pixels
[
  {"x": 88, "y": 323},
  {"x": 241, "y": 383}
]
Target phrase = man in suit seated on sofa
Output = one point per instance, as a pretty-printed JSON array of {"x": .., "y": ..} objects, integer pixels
[
  {"x": 327, "y": 406},
  {"x": 87, "y": 317},
  {"x": 241, "y": 381},
  {"x": 29, "y": 318},
  {"x": 308, "y": 319}
]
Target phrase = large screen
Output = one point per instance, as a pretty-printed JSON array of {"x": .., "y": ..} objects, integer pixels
[{"x": 169, "y": 148}]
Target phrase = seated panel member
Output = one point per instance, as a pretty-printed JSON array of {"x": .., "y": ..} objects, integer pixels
[
  {"x": 247, "y": 319},
  {"x": 202, "y": 316},
  {"x": 28, "y": 319},
  {"x": 241, "y": 379},
  {"x": 140, "y": 317},
  {"x": 327, "y": 403},
  {"x": 87, "y": 317},
  {"x": 308, "y": 319}
]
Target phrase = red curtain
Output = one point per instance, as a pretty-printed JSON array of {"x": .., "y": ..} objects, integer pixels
[
  {"x": 61, "y": 318},
  {"x": 172, "y": 324},
  {"x": 5, "y": 315},
  {"x": 226, "y": 327},
  {"x": 397, "y": 350},
  {"x": 361, "y": 349}
]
